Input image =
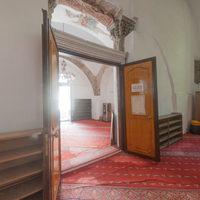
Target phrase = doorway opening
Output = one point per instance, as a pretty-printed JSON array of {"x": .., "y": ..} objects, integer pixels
[
  {"x": 88, "y": 96},
  {"x": 64, "y": 102},
  {"x": 88, "y": 103}
]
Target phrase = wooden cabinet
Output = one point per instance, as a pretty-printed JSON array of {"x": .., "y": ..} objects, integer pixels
[
  {"x": 81, "y": 109},
  {"x": 170, "y": 129}
]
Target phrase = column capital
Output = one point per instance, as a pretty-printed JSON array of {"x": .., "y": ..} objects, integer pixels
[
  {"x": 122, "y": 27},
  {"x": 51, "y": 5}
]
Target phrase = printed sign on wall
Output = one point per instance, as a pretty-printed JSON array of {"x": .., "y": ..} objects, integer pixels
[{"x": 137, "y": 87}]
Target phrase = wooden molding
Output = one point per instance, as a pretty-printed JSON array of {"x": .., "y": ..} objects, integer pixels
[{"x": 69, "y": 44}]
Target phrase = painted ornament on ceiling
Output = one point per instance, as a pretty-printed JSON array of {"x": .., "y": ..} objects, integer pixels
[{"x": 86, "y": 21}]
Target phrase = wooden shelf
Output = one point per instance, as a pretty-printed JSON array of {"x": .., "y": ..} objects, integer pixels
[
  {"x": 163, "y": 125},
  {"x": 165, "y": 144},
  {"x": 16, "y": 163},
  {"x": 169, "y": 116},
  {"x": 175, "y": 128},
  {"x": 16, "y": 174},
  {"x": 175, "y": 122},
  {"x": 174, "y": 140},
  {"x": 163, "y": 132},
  {"x": 37, "y": 196},
  {"x": 20, "y": 143},
  {"x": 170, "y": 129},
  {"x": 175, "y": 134},
  {"x": 21, "y": 165},
  {"x": 16, "y": 135},
  {"x": 162, "y": 139},
  {"x": 22, "y": 190},
  {"x": 20, "y": 153}
]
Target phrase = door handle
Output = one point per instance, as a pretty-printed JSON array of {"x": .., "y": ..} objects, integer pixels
[{"x": 55, "y": 133}]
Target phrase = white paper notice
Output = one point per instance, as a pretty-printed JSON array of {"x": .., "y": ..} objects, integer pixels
[
  {"x": 138, "y": 104},
  {"x": 137, "y": 87}
]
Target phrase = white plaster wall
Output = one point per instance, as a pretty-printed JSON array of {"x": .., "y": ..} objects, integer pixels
[
  {"x": 78, "y": 32},
  {"x": 21, "y": 64},
  {"x": 80, "y": 86},
  {"x": 107, "y": 86},
  {"x": 167, "y": 30},
  {"x": 107, "y": 93},
  {"x": 195, "y": 7}
]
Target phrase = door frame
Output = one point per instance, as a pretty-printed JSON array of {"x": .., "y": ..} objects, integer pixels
[
  {"x": 121, "y": 98},
  {"x": 58, "y": 189},
  {"x": 121, "y": 135},
  {"x": 117, "y": 135},
  {"x": 75, "y": 46},
  {"x": 47, "y": 164},
  {"x": 155, "y": 106}
]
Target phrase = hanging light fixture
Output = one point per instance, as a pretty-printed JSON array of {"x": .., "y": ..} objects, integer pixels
[{"x": 65, "y": 76}]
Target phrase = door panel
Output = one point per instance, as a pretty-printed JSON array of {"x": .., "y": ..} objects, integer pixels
[
  {"x": 55, "y": 121},
  {"x": 141, "y": 108},
  {"x": 51, "y": 120}
]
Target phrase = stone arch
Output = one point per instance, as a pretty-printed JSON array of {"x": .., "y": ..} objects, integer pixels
[{"x": 95, "y": 81}]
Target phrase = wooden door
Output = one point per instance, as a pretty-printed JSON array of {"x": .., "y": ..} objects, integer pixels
[
  {"x": 51, "y": 117},
  {"x": 141, "y": 108}
]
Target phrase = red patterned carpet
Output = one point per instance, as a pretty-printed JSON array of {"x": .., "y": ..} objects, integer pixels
[
  {"x": 127, "y": 177},
  {"x": 81, "y": 139}
]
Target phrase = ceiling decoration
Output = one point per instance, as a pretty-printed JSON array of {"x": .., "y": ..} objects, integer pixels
[
  {"x": 121, "y": 28},
  {"x": 86, "y": 21},
  {"x": 51, "y": 5},
  {"x": 106, "y": 13},
  {"x": 103, "y": 11}
]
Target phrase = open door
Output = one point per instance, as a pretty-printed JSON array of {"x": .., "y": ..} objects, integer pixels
[
  {"x": 51, "y": 118},
  {"x": 141, "y": 108}
]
